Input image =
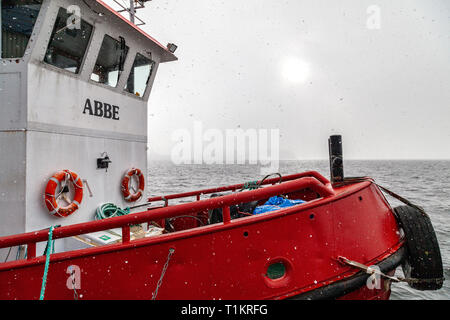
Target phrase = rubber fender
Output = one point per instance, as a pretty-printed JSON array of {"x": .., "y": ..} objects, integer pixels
[{"x": 423, "y": 262}]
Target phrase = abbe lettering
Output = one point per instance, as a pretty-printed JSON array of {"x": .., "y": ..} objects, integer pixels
[{"x": 101, "y": 109}]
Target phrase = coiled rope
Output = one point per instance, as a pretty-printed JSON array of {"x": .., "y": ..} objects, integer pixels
[{"x": 110, "y": 210}]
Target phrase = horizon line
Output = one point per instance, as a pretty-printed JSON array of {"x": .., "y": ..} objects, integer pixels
[{"x": 163, "y": 158}]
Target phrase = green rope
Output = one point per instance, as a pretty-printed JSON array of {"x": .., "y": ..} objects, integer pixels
[
  {"x": 47, "y": 262},
  {"x": 252, "y": 185},
  {"x": 109, "y": 210}
]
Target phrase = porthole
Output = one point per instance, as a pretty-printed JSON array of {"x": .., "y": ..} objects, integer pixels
[{"x": 276, "y": 271}]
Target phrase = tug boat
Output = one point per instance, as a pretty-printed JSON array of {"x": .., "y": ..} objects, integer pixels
[{"x": 75, "y": 80}]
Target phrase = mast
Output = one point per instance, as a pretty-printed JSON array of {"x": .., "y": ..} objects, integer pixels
[{"x": 131, "y": 9}]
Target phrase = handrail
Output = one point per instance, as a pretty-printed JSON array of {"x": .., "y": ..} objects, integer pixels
[
  {"x": 124, "y": 222},
  {"x": 235, "y": 187}
]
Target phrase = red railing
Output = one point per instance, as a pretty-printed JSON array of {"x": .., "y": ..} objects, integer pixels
[
  {"x": 311, "y": 180},
  {"x": 199, "y": 193}
]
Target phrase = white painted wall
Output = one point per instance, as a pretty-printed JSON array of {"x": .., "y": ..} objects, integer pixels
[
  {"x": 51, "y": 152},
  {"x": 43, "y": 128},
  {"x": 12, "y": 182}
]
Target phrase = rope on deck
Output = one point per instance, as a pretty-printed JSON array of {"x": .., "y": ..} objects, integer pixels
[
  {"x": 109, "y": 210},
  {"x": 47, "y": 262}
]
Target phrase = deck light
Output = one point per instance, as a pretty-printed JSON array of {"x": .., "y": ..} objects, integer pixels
[
  {"x": 103, "y": 163},
  {"x": 172, "y": 47}
]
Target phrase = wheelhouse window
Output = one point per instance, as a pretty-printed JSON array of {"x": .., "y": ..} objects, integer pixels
[
  {"x": 17, "y": 19},
  {"x": 140, "y": 75},
  {"x": 69, "y": 42},
  {"x": 110, "y": 61}
]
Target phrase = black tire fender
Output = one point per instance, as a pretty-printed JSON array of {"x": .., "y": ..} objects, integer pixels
[{"x": 423, "y": 262}]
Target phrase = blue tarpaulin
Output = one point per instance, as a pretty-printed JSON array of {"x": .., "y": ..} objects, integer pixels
[{"x": 276, "y": 203}]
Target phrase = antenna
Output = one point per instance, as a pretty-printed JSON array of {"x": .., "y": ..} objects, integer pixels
[{"x": 131, "y": 9}]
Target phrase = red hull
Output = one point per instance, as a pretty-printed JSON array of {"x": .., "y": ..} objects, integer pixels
[{"x": 226, "y": 260}]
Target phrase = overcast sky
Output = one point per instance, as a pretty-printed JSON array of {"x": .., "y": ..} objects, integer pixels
[{"x": 310, "y": 68}]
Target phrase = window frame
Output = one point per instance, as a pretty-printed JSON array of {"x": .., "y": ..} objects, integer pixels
[
  {"x": 121, "y": 73},
  {"x": 91, "y": 54},
  {"x": 85, "y": 56},
  {"x": 31, "y": 40},
  {"x": 149, "y": 57}
]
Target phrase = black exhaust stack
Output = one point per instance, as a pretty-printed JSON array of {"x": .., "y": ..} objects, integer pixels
[{"x": 336, "y": 158}]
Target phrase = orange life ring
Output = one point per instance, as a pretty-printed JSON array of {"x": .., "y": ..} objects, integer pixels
[
  {"x": 128, "y": 196},
  {"x": 50, "y": 193}
]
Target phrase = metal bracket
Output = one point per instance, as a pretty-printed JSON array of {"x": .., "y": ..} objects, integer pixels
[{"x": 85, "y": 182}]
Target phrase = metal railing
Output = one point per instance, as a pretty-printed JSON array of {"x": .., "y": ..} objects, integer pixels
[
  {"x": 233, "y": 188},
  {"x": 131, "y": 9},
  {"x": 294, "y": 183}
]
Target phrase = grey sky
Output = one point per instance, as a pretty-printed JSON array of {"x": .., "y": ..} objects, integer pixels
[{"x": 387, "y": 90}]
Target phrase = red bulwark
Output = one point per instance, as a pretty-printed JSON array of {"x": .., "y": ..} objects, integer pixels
[{"x": 226, "y": 260}]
